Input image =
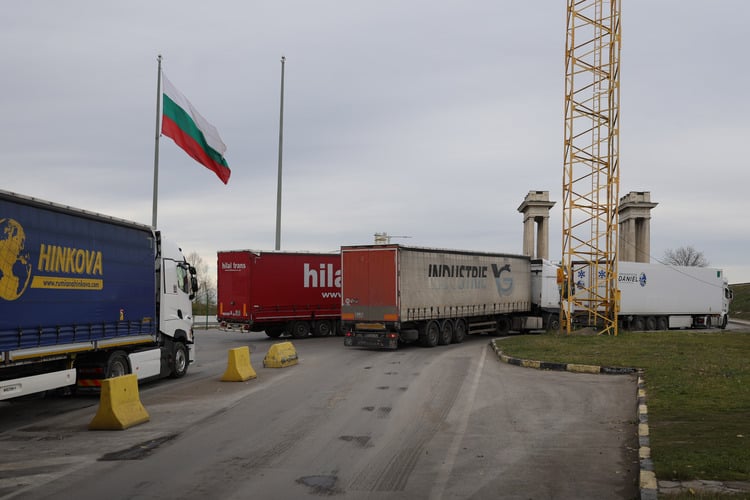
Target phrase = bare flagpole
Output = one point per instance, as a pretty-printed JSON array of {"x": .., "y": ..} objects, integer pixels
[
  {"x": 156, "y": 145},
  {"x": 281, "y": 141}
]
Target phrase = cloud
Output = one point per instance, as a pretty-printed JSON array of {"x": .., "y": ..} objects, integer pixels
[{"x": 425, "y": 120}]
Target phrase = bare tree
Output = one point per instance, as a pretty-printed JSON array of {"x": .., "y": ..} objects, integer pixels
[
  {"x": 685, "y": 256},
  {"x": 206, "y": 287}
]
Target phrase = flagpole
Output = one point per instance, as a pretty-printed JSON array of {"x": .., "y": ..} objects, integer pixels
[
  {"x": 281, "y": 142},
  {"x": 156, "y": 144}
]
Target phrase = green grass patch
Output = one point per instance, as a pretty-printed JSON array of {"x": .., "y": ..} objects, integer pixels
[
  {"x": 739, "y": 308},
  {"x": 698, "y": 390}
]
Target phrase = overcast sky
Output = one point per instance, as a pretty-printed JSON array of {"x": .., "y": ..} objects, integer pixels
[{"x": 424, "y": 119}]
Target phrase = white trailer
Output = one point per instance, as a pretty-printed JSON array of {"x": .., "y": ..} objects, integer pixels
[{"x": 658, "y": 297}]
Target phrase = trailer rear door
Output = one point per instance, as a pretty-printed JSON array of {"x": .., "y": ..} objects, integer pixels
[
  {"x": 370, "y": 284},
  {"x": 233, "y": 284}
]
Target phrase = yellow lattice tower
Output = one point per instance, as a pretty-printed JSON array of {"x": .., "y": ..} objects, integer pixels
[{"x": 591, "y": 179}]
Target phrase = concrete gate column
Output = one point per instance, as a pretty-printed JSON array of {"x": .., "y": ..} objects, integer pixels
[
  {"x": 634, "y": 213},
  {"x": 535, "y": 209}
]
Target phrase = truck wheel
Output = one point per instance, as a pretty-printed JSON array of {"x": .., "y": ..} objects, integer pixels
[
  {"x": 724, "y": 322},
  {"x": 300, "y": 329},
  {"x": 662, "y": 323},
  {"x": 446, "y": 332},
  {"x": 553, "y": 322},
  {"x": 650, "y": 323},
  {"x": 429, "y": 335},
  {"x": 274, "y": 332},
  {"x": 459, "y": 331},
  {"x": 322, "y": 329},
  {"x": 503, "y": 326},
  {"x": 638, "y": 324},
  {"x": 117, "y": 365},
  {"x": 180, "y": 360}
]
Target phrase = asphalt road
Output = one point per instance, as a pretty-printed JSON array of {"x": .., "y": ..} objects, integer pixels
[{"x": 447, "y": 422}]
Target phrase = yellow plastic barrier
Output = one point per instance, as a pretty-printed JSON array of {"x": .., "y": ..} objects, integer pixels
[
  {"x": 119, "y": 405},
  {"x": 239, "y": 368},
  {"x": 280, "y": 355}
]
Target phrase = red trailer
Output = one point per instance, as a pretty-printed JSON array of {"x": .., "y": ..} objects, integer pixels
[{"x": 280, "y": 292}]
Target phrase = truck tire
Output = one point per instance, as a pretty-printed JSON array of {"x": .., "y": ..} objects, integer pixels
[
  {"x": 300, "y": 329},
  {"x": 650, "y": 323},
  {"x": 503, "y": 326},
  {"x": 446, "y": 332},
  {"x": 180, "y": 360},
  {"x": 274, "y": 332},
  {"x": 322, "y": 329},
  {"x": 553, "y": 322},
  {"x": 459, "y": 331},
  {"x": 724, "y": 322},
  {"x": 638, "y": 324},
  {"x": 662, "y": 323},
  {"x": 117, "y": 365},
  {"x": 429, "y": 335}
]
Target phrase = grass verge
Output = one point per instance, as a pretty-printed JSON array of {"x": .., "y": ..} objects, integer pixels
[
  {"x": 698, "y": 389},
  {"x": 739, "y": 308}
]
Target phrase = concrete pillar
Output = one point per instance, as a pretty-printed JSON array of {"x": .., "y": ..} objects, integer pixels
[
  {"x": 627, "y": 244},
  {"x": 643, "y": 240},
  {"x": 535, "y": 209},
  {"x": 528, "y": 236},
  {"x": 634, "y": 213},
  {"x": 542, "y": 237}
]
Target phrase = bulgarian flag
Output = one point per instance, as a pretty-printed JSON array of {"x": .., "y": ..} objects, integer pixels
[{"x": 189, "y": 130}]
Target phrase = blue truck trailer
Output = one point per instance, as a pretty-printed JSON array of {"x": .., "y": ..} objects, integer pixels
[{"x": 85, "y": 297}]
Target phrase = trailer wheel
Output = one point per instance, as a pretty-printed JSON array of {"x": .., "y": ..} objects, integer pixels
[
  {"x": 503, "y": 326},
  {"x": 446, "y": 332},
  {"x": 662, "y": 323},
  {"x": 429, "y": 334},
  {"x": 322, "y": 329},
  {"x": 638, "y": 324},
  {"x": 274, "y": 331},
  {"x": 180, "y": 360},
  {"x": 117, "y": 365},
  {"x": 459, "y": 331},
  {"x": 650, "y": 323},
  {"x": 300, "y": 329}
]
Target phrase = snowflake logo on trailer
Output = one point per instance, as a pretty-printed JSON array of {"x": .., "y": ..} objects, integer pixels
[{"x": 642, "y": 279}]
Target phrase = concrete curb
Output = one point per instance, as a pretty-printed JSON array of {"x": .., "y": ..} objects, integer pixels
[
  {"x": 649, "y": 486},
  {"x": 568, "y": 367},
  {"x": 648, "y": 483}
]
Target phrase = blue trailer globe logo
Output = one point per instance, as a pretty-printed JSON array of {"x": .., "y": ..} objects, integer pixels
[{"x": 15, "y": 264}]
